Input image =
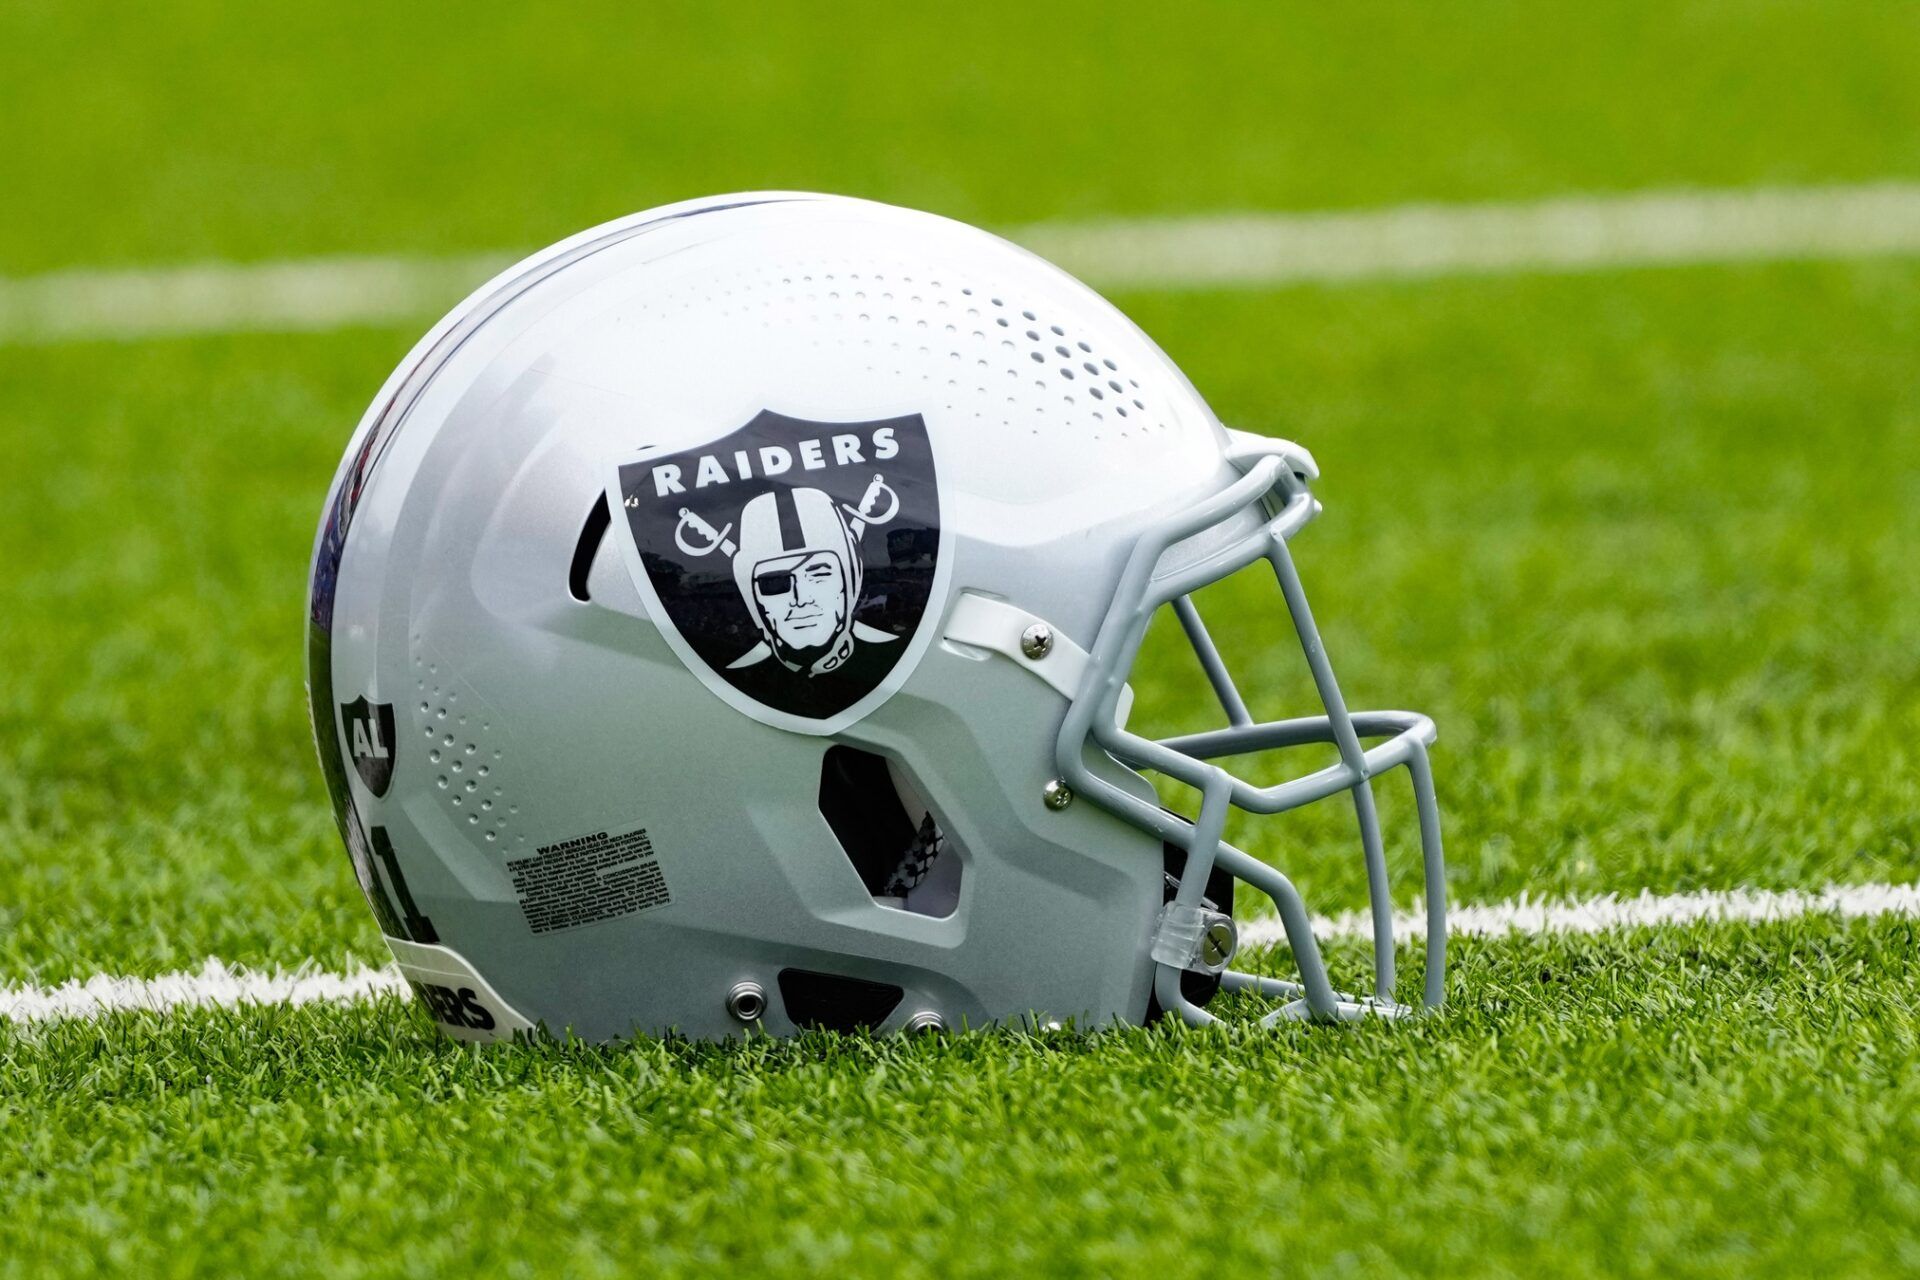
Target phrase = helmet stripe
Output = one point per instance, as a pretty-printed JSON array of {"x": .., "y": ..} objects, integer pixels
[{"x": 792, "y": 537}]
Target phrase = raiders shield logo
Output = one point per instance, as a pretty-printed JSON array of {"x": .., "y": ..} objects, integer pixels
[
  {"x": 369, "y": 730},
  {"x": 791, "y": 563}
]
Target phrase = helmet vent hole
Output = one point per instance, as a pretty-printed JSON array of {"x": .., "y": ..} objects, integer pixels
[
  {"x": 896, "y": 844},
  {"x": 466, "y": 769},
  {"x": 829, "y": 1002}
]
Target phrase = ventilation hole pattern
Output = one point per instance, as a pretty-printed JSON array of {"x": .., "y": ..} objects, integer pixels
[
  {"x": 992, "y": 356},
  {"x": 463, "y": 756}
]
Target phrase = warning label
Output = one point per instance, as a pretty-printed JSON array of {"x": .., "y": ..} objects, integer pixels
[{"x": 588, "y": 878}]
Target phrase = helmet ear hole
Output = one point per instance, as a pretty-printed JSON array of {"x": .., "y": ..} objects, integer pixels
[{"x": 895, "y": 841}]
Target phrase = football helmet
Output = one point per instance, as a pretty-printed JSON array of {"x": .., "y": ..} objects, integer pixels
[{"x": 723, "y": 620}]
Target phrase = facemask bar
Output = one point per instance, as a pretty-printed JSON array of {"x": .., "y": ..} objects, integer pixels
[{"x": 1189, "y": 935}]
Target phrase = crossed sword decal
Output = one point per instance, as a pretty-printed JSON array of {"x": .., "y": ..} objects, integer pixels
[{"x": 859, "y": 520}]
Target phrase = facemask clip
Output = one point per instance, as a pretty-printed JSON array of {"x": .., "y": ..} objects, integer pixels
[{"x": 1195, "y": 938}]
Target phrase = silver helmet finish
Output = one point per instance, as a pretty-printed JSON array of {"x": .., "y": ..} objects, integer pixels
[{"x": 722, "y": 620}]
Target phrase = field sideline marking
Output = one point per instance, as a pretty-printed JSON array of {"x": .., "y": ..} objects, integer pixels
[
  {"x": 1573, "y": 233},
  {"x": 1611, "y": 911},
  {"x": 216, "y": 983}
]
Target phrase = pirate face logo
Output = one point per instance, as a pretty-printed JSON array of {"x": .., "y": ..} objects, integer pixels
[
  {"x": 805, "y": 602},
  {"x": 791, "y": 563}
]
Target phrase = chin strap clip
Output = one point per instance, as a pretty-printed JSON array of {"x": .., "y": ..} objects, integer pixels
[{"x": 1196, "y": 938}]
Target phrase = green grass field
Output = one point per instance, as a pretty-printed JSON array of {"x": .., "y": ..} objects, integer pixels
[{"x": 1644, "y": 543}]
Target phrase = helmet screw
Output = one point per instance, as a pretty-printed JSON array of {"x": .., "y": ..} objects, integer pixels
[
  {"x": 1037, "y": 641},
  {"x": 926, "y": 1020},
  {"x": 747, "y": 1001},
  {"x": 1218, "y": 943},
  {"x": 1057, "y": 794}
]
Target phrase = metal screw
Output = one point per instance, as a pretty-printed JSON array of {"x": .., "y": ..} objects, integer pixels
[
  {"x": 1218, "y": 944},
  {"x": 1057, "y": 794},
  {"x": 926, "y": 1020},
  {"x": 747, "y": 1001},
  {"x": 1037, "y": 641}
]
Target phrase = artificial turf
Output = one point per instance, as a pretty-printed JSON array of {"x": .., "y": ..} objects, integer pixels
[
  {"x": 1707, "y": 1101},
  {"x": 208, "y": 129},
  {"x": 1641, "y": 542}
]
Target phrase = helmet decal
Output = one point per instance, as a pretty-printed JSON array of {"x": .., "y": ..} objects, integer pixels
[
  {"x": 791, "y": 563},
  {"x": 369, "y": 729}
]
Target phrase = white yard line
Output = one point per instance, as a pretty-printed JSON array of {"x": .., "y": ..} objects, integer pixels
[
  {"x": 218, "y": 984},
  {"x": 1575, "y": 233},
  {"x": 214, "y": 984},
  {"x": 1598, "y": 915},
  {"x": 219, "y": 297}
]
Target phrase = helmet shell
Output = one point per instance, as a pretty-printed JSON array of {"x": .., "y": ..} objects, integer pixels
[{"x": 548, "y": 695}]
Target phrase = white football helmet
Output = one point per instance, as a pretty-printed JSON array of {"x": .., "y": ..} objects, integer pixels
[{"x": 723, "y": 619}]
